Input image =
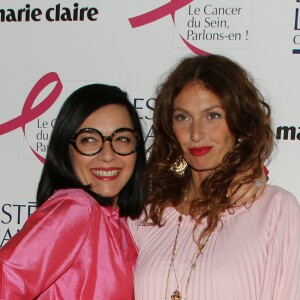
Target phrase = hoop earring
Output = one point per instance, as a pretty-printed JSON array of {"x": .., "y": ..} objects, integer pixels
[{"x": 179, "y": 166}]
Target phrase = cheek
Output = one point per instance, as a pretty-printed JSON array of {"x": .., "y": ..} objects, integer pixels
[
  {"x": 78, "y": 163},
  {"x": 229, "y": 142},
  {"x": 180, "y": 134},
  {"x": 130, "y": 164},
  {"x": 223, "y": 134},
  {"x": 73, "y": 158}
]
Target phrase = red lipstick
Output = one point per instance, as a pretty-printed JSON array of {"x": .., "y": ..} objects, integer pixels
[{"x": 200, "y": 151}]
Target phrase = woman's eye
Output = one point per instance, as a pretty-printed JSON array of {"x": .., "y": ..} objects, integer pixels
[
  {"x": 87, "y": 140},
  {"x": 124, "y": 139},
  {"x": 180, "y": 117},
  {"x": 214, "y": 115}
]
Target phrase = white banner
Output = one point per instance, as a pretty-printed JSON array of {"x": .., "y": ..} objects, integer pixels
[{"x": 49, "y": 48}]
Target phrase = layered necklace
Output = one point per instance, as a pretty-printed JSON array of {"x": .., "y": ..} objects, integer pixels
[{"x": 177, "y": 294}]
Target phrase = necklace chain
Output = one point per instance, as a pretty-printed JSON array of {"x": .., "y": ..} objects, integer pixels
[
  {"x": 192, "y": 262},
  {"x": 176, "y": 294}
]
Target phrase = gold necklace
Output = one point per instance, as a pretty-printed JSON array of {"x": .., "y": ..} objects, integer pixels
[{"x": 177, "y": 295}]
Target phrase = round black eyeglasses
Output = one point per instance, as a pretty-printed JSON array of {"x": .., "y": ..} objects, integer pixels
[{"x": 90, "y": 141}]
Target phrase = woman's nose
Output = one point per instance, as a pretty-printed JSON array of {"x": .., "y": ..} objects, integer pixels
[
  {"x": 106, "y": 154},
  {"x": 197, "y": 131}
]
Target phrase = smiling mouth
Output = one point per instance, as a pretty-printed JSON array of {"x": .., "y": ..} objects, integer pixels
[{"x": 102, "y": 173}]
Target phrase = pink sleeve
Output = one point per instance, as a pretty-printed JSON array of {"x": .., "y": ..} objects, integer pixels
[
  {"x": 45, "y": 248},
  {"x": 282, "y": 278}
]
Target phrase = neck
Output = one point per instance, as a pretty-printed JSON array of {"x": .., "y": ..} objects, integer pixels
[
  {"x": 199, "y": 176},
  {"x": 194, "y": 191},
  {"x": 115, "y": 202},
  {"x": 184, "y": 206}
]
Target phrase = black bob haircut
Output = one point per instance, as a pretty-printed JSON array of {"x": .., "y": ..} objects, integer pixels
[{"x": 58, "y": 172}]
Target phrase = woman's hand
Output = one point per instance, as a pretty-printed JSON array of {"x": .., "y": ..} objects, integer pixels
[{"x": 247, "y": 193}]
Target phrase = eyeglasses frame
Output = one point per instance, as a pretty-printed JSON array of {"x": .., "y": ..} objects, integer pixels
[{"x": 104, "y": 139}]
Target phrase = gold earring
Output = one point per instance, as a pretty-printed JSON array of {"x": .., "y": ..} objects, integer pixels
[{"x": 179, "y": 166}]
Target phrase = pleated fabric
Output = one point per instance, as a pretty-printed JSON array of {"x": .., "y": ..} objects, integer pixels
[{"x": 253, "y": 254}]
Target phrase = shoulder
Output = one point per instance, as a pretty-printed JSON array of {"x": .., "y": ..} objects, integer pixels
[
  {"x": 71, "y": 197},
  {"x": 66, "y": 216},
  {"x": 136, "y": 226},
  {"x": 275, "y": 206},
  {"x": 67, "y": 204},
  {"x": 281, "y": 206},
  {"x": 280, "y": 197}
]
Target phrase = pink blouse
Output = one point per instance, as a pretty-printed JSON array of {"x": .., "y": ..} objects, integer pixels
[
  {"x": 255, "y": 255},
  {"x": 70, "y": 248}
]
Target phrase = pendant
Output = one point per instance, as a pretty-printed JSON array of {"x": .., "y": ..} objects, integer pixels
[{"x": 176, "y": 295}]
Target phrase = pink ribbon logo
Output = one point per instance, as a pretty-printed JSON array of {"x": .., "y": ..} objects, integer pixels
[
  {"x": 29, "y": 113},
  {"x": 169, "y": 8}
]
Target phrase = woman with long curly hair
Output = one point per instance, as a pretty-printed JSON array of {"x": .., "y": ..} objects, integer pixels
[{"x": 211, "y": 123}]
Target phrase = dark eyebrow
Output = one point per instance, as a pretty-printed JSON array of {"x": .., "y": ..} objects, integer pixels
[{"x": 205, "y": 110}]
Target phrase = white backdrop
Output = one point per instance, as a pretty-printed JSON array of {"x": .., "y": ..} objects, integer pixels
[{"x": 49, "y": 48}]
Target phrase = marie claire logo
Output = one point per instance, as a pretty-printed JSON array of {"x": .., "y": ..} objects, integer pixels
[
  {"x": 30, "y": 113},
  {"x": 56, "y": 13},
  {"x": 204, "y": 23},
  {"x": 288, "y": 133}
]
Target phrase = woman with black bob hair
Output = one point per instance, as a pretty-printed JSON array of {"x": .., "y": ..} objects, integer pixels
[
  {"x": 77, "y": 244},
  {"x": 58, "y": 172}
]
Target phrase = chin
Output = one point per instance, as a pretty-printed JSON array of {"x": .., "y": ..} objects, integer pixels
[
  {"x": 108, "y": 195},
  {"x": 205, "y": 168}
]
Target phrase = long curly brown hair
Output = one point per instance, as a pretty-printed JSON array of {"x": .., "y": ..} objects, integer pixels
[{"x": 248, "y": 119}]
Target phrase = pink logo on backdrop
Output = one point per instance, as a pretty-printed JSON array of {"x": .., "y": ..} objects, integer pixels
[
  {"x": 29, "y": 113},
  {"x": 169, "y": 8}
]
